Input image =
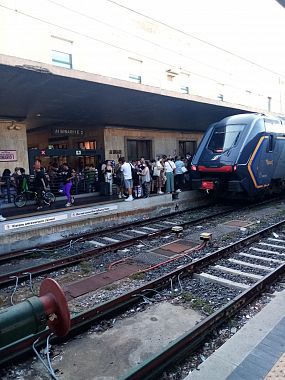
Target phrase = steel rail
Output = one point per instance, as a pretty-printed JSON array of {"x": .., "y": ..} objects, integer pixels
[
  {"x": 6, "y": 257},
  {"x": 22, "y": 274},
  {"x": 187, "y": 343},
  {"x": 110, "y": 308}
]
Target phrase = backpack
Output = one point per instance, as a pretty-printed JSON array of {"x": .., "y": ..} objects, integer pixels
[{"x": 25, "y": 183}]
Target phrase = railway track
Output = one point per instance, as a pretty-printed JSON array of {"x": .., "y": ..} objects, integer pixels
[
  {"x": 249, "y": 255},
  {"x": 70, "y": 252},
  {"x": 113, "y": 239}
]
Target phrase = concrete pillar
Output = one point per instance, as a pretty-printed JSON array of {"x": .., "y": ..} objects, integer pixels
[{"x": 13, "y": 146}]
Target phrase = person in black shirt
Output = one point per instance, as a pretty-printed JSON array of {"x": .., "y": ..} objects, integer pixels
[{"x": 40, "y": 186}]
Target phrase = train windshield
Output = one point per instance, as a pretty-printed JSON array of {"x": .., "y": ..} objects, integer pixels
[{"x": 225, "y": 137}]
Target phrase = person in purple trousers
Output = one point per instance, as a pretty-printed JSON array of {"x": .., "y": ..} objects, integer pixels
[{"x": 67, "y": 176}]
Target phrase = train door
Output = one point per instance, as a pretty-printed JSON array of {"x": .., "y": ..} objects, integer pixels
[{"x": 261, "y": 164}]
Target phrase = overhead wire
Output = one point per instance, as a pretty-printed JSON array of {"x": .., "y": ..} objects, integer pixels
[
  {"x": 120, "y": 47},
  {"x": 101, "y": 41},
  {"x": 169, "y": 27},
  {"x": 195, "y": 37},
  {"x": 136, "y": 36}
]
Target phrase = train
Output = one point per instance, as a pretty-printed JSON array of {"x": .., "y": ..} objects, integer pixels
[{"x": 241, "y": 156}]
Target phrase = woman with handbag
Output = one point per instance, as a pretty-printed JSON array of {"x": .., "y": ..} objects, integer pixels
[
  {"x": 108, "y": 175},
  {"x": 169, "y": 167},
  {"x": 119, "y": 180}
]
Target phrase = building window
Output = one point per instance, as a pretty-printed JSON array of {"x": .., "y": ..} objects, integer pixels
[
  {"x": 62, "y": 59},
  {"x": 135, "y": 78},
  {"x": 187, "y": 147},
  {"x": 135, "y": 70},
  {"x": 184, "y": 82},
  {"x": 139, "y": 148},
  {"x": 185, "y": 89},
  {"x": 87, "y": 145},
  {"x": 61, "y": 53}
]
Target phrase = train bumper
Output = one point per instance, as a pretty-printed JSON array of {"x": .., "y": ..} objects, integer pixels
[{"x": 234, "y": 186}]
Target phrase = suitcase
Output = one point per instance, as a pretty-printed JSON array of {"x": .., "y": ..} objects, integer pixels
[
  {"x": 138, "y": 191},
  {"x": 104, "y": 188}
]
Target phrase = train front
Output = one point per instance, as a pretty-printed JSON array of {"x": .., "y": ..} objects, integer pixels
[{"x": 214, "y": 166}]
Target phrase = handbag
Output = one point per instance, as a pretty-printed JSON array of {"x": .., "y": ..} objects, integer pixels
[
  {"x": 156, "y": 172},
  {"x": 184, "y": 170}
]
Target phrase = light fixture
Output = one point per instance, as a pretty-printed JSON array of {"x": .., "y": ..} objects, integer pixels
[{"x": 14, "y": 126}]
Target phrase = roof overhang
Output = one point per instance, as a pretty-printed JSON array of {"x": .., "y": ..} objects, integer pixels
[{"x": 44, "y": 95}]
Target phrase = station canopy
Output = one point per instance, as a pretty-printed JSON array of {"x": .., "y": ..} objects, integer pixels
[{"x": 46, "y": 96}]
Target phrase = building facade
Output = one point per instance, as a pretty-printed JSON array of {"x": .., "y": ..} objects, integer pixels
[{"x": 113, "y": 41}]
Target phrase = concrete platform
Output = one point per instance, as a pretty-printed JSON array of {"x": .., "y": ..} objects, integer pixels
[
  {"x": 109, "y": 355},
  {"x": 28, "y": 230},
  {"x": 252, "y": 352}
]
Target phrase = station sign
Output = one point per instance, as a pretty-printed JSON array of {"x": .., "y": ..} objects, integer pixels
[
  {"x": 67, "y": 132},
  {"x": 34, "y": 222},
  {"x": 93, "y": 211},
  {"x": 8, "y": 155}
]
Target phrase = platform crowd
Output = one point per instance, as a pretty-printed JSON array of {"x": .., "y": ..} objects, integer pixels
[{"x": 126, "y": 179}]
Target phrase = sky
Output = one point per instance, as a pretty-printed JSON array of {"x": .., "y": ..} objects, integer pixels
[{"x": 253, "y": 29}]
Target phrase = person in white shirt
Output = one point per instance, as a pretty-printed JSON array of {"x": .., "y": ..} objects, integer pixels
[
  {"x": 169, "y": 167},
  {"x": 158, "y": 173},
  {"x": 126, "y": 168}
]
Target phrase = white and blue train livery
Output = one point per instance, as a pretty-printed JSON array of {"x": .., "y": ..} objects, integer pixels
[{"x": 241, "y": 155}]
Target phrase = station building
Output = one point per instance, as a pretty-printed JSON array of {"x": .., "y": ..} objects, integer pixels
[{"x": 83, "y": 85}]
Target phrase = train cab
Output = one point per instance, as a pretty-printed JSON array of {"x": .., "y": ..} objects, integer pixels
[{"x": 240, "y": 155}]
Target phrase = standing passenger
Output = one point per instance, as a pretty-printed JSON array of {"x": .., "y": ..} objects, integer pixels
[
  {"x": 39, "y": 184},
  {"x": 108, "y": 174},
  {"x": 145, "y": 179},
  {"x": 170, "y": 167},
  {"x": 67, "y": 177},
  {"x": 158, "y": 172},
  {"x": 126, "y": 168},
  {"x": 119, "y": 179},
  {"x": 179, "y": 174}
]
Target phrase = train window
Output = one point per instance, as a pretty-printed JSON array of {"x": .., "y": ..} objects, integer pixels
[{"x": 225, "y": 137}]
